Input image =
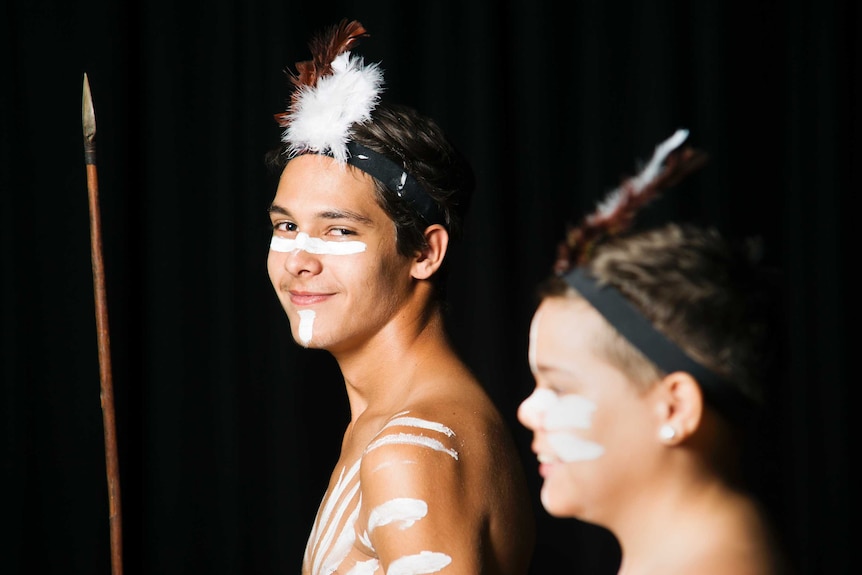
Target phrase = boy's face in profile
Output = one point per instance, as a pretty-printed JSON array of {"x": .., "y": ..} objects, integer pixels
[
  {"x": 332, "y": 260},
  {"x": 586, "y": 416}
]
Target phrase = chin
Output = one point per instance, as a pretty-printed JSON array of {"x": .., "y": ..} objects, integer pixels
[
  {"x": 310, "y": 344},
  {"x": 556, "y": 503}
]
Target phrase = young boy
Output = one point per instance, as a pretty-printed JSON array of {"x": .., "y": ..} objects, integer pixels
[{"x": 370, "y": 197}]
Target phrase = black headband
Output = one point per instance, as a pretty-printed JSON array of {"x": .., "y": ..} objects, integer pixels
[
  {"x": 396, "y": 179},
  {"x": 640, "y": 332}
]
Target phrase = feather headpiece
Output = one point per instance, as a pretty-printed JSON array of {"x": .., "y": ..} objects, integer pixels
[
  {"x": 334, "y": 90},
  {"x": 616, "y": 213}
]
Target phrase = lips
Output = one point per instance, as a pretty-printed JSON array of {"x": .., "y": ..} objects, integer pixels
[
  {"x": 546, "y": 461},
  {"x": 307, "y": 298}
]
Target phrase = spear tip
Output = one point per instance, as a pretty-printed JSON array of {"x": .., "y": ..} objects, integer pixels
[{"x": 88, "y": 114}]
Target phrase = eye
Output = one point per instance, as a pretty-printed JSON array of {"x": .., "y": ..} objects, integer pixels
[
  {"x": 283, "y": 227},
  {"x": 341, "y": 232}
]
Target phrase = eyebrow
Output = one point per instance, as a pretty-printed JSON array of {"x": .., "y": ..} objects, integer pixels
[
  {"x": 326, "y": 214},
  {"x": 555, "y": 368}
]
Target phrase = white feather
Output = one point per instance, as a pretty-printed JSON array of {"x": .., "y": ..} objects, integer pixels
[
  {"x": 653, "y": 168},
  {"x": 321, "y": 118}
]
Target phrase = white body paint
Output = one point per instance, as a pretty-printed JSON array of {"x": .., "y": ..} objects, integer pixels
[
  {"x": 559, "y": 415},
  {"x": 386, "y": 464},
  {"x": 402, "y": 510},
  {"x": 306, "y": 325},
  {"x": 419, "y": 564},
  {"x": 420, "y": 423},
  {"x": 334, "y": 532},
  {"x": 364, "y": 567},
  {"x": 303, "y": 242},
  {"x": 410, "y": 439}
]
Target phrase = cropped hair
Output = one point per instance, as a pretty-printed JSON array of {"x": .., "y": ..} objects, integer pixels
[{"x": 709, "y": 296}]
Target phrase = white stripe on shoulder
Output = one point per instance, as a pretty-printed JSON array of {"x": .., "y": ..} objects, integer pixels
[
  {"x": 403, "y": 511},
  {"x": 420, "y": 564},
  {"x": 420, "y": 423},
  {"x": 410, "y": 439}
]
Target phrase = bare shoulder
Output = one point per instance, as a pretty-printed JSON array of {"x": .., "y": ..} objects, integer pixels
[
  {"x": 458, "y": 439},
  {"x": 479, "y": 432},
  {"x": 441, "y": 475},
  {"x": 740, "y": 541},
  {"x": 746, "y": 542}
]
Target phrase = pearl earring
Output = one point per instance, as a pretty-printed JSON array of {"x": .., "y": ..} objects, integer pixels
[{"x": 667, "y": 432}]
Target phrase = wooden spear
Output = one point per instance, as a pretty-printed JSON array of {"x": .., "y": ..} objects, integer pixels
[{"x": 107, "y": 391}]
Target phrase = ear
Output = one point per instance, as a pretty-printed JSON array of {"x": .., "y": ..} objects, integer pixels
[
  {"x": 680, "y": 406},
  {"x": 431, "y": 258}
]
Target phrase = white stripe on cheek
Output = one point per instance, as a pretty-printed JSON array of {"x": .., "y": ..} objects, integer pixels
[
  {"x": 404, "y": 510},
  {"x": 557, "y": 414},
  {"x": 306, "y": 323},
  {"x": 570, "y": 448},
  {"x": 569, "y": 411},
  {"x": 419, "y": 564},
  {"x": 315, "y": 245}
]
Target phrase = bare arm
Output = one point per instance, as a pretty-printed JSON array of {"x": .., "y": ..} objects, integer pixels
[{"x": 417, "y": 514}]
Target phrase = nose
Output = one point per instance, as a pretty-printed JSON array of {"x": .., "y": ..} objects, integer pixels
[
  {"x": 298, "y": 262},
  {"x": 528, "y": 415},
  {"x": 294, "y": 255}
]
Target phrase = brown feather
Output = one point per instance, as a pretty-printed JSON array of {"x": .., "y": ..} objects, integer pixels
[
  {"x": 325, "y": 47},
  {"x": 580, "y": 241}
]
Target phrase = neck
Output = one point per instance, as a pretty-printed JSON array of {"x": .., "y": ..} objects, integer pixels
[
  {"x": 385, "y": 368},
  {"x": 656, "y": 527}
]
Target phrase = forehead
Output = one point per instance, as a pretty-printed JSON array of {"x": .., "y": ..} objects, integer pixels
[
  {"x": 312, "y": 183},
  {"x": 567, "y": 350},
  {"x": 564, "y": 329}
]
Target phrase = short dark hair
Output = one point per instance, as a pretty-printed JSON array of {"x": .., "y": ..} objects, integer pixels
[{"x": 708, "y": 295}]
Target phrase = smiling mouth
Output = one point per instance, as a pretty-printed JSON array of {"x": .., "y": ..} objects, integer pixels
[
  {"x": 544, "y": 458},
  {"x": 304, "y": 298}
]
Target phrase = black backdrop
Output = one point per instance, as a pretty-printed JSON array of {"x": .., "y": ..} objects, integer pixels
[{"x": 227, "y": 430}]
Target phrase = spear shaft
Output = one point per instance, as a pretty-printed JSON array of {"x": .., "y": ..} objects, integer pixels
[{"x": 104, "y": 341}]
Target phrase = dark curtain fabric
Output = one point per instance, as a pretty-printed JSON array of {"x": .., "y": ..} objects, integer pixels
[{"x": 227, "y": 430}]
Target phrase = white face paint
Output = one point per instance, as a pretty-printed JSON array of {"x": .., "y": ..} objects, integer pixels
[
  {"x": 303, "y": 242},
  {"x": 558, "y": 415},
  {"x": 306, "y": 323},
  {"x": 534, "y": 336},
  {"x": 419, "y": 564}
]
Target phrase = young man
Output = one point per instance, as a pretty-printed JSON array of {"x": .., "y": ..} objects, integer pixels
[
  {"x": 649, "y": 352},
  {"x": 428, "y": 479}
]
